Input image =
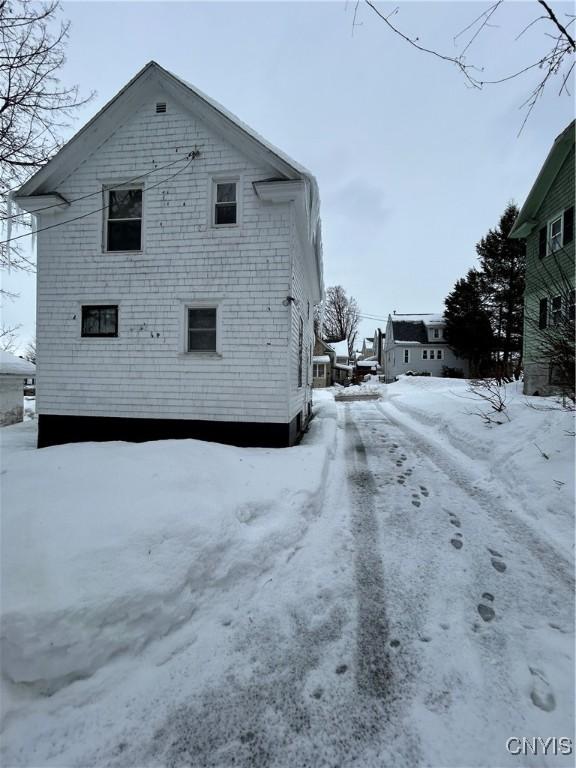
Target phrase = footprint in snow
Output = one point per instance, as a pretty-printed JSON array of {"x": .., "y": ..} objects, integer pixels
[
  {"x": 486, "y": 612},
  {"x": 424, "y": 490},
  {"x": 496, "y": 560},
  {"x": 541, "y": 694},
  {"x": 457, "y": 543}
]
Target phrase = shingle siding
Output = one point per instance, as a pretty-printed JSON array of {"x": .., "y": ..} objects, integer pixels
[
  {"x": 548, "y": 276},
  {"x": 248, "y": 269}
]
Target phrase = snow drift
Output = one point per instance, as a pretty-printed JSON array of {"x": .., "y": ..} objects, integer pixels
[{"x": 108, "y": 546}]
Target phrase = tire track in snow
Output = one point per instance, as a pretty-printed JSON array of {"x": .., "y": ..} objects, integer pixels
[
  {"x": 373, "y": 670},
  {"x": 554, "y": 561}
]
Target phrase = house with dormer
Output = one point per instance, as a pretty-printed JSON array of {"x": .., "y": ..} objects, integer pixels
[
  {"x": 416, "y": 344},
  {"x": 179, "y": 250}
]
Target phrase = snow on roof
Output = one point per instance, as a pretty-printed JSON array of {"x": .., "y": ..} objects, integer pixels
[
  {"x": 15, "y": 366},
  {"x": 367, "y": 363},
  {"x": 342, "y": 367},
  {"x": 321, "y": 359},
  {"x": 427, "y": 319},
  {"x": 340, "y": 347}
]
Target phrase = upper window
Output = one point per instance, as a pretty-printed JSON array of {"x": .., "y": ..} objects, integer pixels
[
  {"x": 201, "y": 329},
  {"x": 100, "y": 320},
  {"x": 123, "y": 214},
  {"x": 555, "y": 235},
  {"x": 436, "y": 333},
  {"x": 225, "y": 203}
]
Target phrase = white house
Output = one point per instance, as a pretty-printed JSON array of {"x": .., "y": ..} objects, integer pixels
[
  {"x": 13, "y": 373},
  {"x": 181, "y": 252},
  {"x": 416, "y": 344}
]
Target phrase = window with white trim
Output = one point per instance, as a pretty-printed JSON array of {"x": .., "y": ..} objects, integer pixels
[
  {"x": 319, "y": 370},
  {"x": 201, "y": 329},
  {"x": 555, "y": 234},
  {"x": 436, "y": 333},
  {"x": 123, "y": 219},
  {"x": 99, "y": 320},
  {"x": 438, "y": 354},
  {"x": 424, "y": 354},
  {"x": 406, "y": 355},
  {"x": 431, "y": 354},
  {"x": 225, "y": 203}
]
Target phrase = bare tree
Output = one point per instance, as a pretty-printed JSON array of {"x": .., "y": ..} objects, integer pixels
[
  {"x": 34, "y": 106},
  {"x": 8, "y": 338},
  {"x": 555, "y": 58},
  {"x": 30, "y": 352},
  {"x": 341, "y": 317}
]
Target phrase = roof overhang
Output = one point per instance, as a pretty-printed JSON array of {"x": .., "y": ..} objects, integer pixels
[
  {"x": 45, "y": 204},
  {"x": 527, "y": 218}
]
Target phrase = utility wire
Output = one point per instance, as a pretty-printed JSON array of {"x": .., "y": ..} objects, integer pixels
[
  {"x": 99, "y": 191},
  {"x": 192, "y": 155}
]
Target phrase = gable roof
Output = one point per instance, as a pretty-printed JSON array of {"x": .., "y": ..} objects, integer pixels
[
  {"x": 526, "y": 220},
  {"x": 123, "y": 104}
]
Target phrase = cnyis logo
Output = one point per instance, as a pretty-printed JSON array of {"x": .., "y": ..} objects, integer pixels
[{"x": 537, "y": 745}]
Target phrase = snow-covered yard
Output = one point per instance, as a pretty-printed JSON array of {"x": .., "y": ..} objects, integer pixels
[{"x": 395, "y": 591}]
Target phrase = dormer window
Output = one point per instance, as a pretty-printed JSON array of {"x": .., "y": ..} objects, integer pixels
[
  {"x": 436, "y": 333},
  {"x": 123, "y": 219}
]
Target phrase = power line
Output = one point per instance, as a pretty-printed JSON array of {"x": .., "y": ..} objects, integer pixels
[
  {"x": 192, "y": 155},
  {"x": 98, "y": 191}
]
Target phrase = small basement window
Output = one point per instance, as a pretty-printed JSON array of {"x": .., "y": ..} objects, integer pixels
[
  {"x": 100, "y": 320},
  {"x": 123, "y": 214},
  {"x": 202, "y": 329},
  {"x": 225, "y": 203}
]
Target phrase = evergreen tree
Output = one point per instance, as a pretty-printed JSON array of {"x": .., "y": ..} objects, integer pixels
[
  {"x": 502, "y": 264},
  {"x": 468, "y": 328}
]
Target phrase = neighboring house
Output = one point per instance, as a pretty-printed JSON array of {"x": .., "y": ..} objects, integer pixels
[
  {"x": 343, "y": 369},
  {"x": 546, "y": 221},
  {"x": 367, "y": 348},
  {"x": 323, "y": 364},
  {"x": 378, "y": 346},
  {"x": 13, "y": 373},
  {"x": 416, "y": 344},
  {"x": 179, "y": 252},
  {"x": 365, "y": 367}
]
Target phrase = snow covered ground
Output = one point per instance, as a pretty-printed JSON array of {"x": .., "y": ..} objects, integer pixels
[{"x": 395, "y": 591}]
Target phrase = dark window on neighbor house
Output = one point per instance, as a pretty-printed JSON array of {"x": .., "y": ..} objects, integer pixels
[
  {"x": 543, "y": 314},
  {"x": 300, "y": 351},
  {"x": 570, "y": 311},
  {"x": 100, "y": 320},
  {"x": 202, "y": 329},
  {"x": 225, "y": 203},
  {"x": 406, "y": 355},
  {"x": 568, "y": 225},
  {"x": 424, "y": 354},
  {"x": 556, "y": 310},
  {"x": 431, "y": 354},
  {"x": 123, "y": 219},
  {"x": 542, "y": 242},
  {"x": 438, "y": 354},
  {"x": 436, "y": 333}
]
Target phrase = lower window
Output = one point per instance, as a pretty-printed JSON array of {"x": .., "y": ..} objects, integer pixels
[
  {"x": 201, "y": 331},
  {"x": 100, "y": 320}
]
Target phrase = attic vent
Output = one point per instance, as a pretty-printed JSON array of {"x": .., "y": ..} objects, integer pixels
[{"x": 160, "y": 107}]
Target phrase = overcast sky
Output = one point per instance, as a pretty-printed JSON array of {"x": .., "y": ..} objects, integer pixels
[{"x": 414, "y": 166}]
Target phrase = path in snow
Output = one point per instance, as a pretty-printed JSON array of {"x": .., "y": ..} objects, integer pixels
[{"x": 418, "y": 622}]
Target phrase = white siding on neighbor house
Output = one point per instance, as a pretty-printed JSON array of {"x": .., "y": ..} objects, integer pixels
[
  {"x": 245, "y": 269},
  {"x": 11, "y": 399}
]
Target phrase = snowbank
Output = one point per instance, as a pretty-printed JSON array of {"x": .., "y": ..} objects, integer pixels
[
  {"x": 531, "y": 455},
  {"x": 107, "y": 546}
]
